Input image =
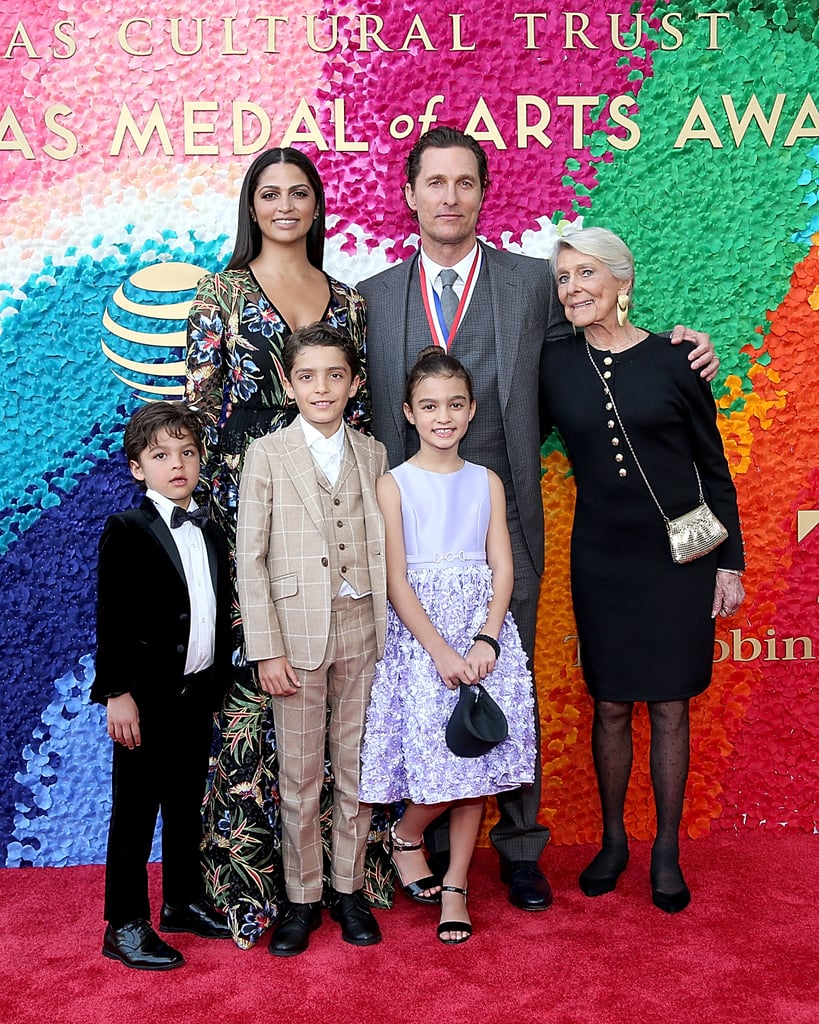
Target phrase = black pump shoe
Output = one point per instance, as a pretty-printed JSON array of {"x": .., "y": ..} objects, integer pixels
[
  {"x": 593, "y": 884},
  {"x": 671, "y": 902}
]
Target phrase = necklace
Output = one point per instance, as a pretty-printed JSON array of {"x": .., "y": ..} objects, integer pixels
[{"x": 629, "y": 342}]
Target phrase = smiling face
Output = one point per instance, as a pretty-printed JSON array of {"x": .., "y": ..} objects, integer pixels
[
  {"x": 169, "y": 465},
  {"x": 321, "y": 382},
  {"x": 447, "y": 197},
  {"x": 441, "y": 411},
  {"x": 284, "y": 203},
  {"x": 588, "y": 290}
]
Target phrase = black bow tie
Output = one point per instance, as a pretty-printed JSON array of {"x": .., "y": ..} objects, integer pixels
[{"x": 198, "y": 517}]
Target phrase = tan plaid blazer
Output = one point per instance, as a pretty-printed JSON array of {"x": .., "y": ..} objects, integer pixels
[{"x": 282, "y": 547}]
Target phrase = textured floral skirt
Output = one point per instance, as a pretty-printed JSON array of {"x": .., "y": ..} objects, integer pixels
[{"x": 405, "y": 755}]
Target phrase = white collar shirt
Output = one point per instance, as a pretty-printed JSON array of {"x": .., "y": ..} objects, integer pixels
[
  {"x": 462, "y": 268},
  {"x": 327, "y": 452},
  {"x": 193, "y": 552}
]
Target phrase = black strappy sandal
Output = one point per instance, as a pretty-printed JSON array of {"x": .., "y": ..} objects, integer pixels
[
  {"x": 414, "y": 890},
  {"x": 454, "y": 926}
]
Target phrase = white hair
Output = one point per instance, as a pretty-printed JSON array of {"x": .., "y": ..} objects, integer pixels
[{"x": 603, "y": 245}]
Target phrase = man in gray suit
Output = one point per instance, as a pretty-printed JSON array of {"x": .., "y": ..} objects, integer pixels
[{"x": 503, "y": 309}]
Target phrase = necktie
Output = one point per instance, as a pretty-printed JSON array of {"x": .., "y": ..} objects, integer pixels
[
  {"x": 197, "y": 516},
  {"x": 449, "y": 299}
]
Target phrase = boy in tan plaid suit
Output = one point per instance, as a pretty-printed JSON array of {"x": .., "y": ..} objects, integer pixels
[{"x": 313, "y": 593}]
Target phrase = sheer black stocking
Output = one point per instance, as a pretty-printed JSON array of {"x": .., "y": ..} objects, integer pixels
[
  {"x": 669, "y": 773},
  {"x": 612, "y": 753}
]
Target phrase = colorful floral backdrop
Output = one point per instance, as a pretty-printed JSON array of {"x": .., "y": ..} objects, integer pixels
[{"x": 722, "y": 211}]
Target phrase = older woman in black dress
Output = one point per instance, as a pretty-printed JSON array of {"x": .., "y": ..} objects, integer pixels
[{"x": 620, "y": 396}]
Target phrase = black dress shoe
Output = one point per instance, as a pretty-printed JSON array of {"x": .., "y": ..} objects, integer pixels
[
  {"x": 292, "y": 934},
  {"x": 197, "y": 918},
  {"x": 528, "y": 888},
  {"x": 358, "y": 925},
  {"x": 137, "y": 945}
]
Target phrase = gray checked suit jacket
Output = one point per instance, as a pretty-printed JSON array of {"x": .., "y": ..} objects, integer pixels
[
  {"x": 526, "y": 313},
  {"x": 282, "y": 547}
]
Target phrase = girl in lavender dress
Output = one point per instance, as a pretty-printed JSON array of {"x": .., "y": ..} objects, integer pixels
[{"x": 449, "y": 580}]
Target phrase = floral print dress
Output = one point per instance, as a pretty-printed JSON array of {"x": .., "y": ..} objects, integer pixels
[{"x": 235, "y": 342}]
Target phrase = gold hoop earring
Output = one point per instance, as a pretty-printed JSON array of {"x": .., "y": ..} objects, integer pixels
[{"x": 622, "y": 309}]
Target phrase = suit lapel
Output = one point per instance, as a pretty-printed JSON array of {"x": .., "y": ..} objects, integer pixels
[
  {"x": 361, "y": 457},
  {"x": 156, "y": 525},
  {"x": 348, "y": 461},
  {"x": 406, "y": 277},
  {"x": 507, "y": 302},
  {"x": 298, "y": 463}
]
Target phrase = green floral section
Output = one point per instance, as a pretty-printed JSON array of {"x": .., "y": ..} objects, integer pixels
[
  {"x": 711, "y": 227},
  {"x": 799, "y": 16}
]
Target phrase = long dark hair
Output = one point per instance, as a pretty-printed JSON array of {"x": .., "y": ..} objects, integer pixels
[{"x": 248, "y": 236}]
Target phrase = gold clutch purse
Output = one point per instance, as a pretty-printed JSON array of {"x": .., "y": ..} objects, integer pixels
[{"x": 694, "y": 533}]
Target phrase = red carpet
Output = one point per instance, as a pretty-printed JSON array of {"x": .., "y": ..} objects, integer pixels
[{"x": 746, "y": 950}]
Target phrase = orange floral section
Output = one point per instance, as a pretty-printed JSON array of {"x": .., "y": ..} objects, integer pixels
[
  {"x": 752, "y": 752},
  {"x": 774, "y": 775},
  {"x": 769, "y": 435},
  {"x": 570, "y": 804}
]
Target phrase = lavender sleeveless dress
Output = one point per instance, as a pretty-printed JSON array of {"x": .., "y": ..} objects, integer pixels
[{"x": 405, "y": 755}]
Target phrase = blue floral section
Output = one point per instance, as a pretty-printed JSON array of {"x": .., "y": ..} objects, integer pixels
[
  {"x": 56, "y": 389},
  {"x": 48, "y": 582},
  {"x": 61, "y": 813},
  {"x": 204, "y": 341},
  {"x": 809, "y": 180},
  {"x": 61, "y": 475}
]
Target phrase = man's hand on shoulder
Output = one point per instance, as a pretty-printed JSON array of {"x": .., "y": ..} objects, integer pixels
[{"x": 702, "y": 356}]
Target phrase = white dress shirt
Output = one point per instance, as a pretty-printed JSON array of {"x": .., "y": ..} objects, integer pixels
[
  {"x": 327, "y": 452},
  {"x": 434, "y": 286},
  {"x": 194, "y": 555}
]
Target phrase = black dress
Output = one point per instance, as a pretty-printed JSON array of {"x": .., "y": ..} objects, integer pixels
[{"x": 644, "y": 622}]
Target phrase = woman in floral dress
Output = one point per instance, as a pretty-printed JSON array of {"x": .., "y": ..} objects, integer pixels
[{"x": 237, "y": 327}]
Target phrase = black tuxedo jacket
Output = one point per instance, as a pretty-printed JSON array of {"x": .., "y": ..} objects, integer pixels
[{"x": 143, "y": 611}]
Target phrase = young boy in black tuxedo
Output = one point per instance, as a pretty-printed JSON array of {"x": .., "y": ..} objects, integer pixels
[{"x": 163, "y": 657}]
